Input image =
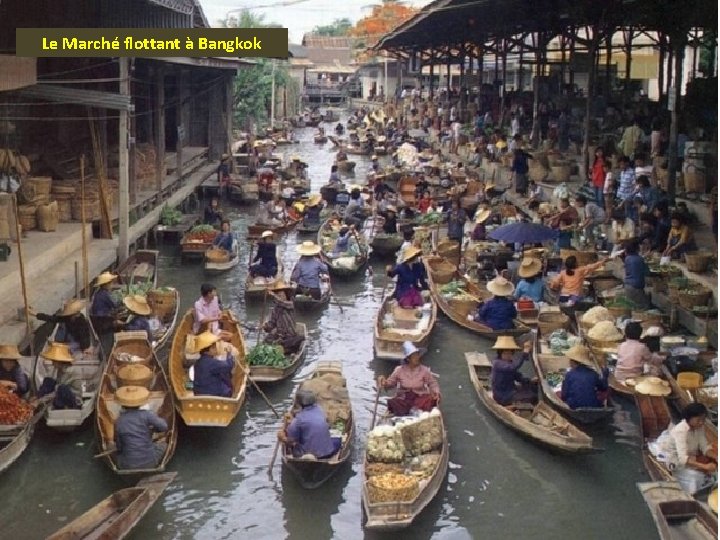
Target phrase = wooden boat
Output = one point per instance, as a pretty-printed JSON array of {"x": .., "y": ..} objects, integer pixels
[
  {"x": 255, "y": 231},
  {"x": 620, "y": 388},
  {"x": 304, "y": 302},
  {"x": 267, "y": 374},
  {"x": 393, "y": 515},
  {"x": 538, "y": 423},
  {"x": 676, "y": 514},
  {"x": 383, "y": 245},
  {"x": 459, "y": 314},
  {"x": 345, "y": 166},
  {"x": 191, "y": 248},
  {"x": 88, "y": 367},
  {"x": 548, "y": 363},
  {"x": 312, "y": 473},
  {"x": 337, "y": 266},
  {"x": 216, "y": 266},
  {"x": 108, "y": 409},
  {"x": 115, "y": 516},
  {"x": 681, "y": 398},
  {"x": 388, "y": 342},
  {"x": 654, "y": 419},
  {"x": 141, "y": 266},
  {"x": 255, "y": 287},
  {"x": 206, "y": 411},
  {"x": 320, "y": 139},
  {"x": 356, "y": 150}
]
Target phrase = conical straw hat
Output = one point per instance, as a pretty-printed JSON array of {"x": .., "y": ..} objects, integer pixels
[
  {"x": 58, "y": 352},
  {"x": 137, "y": 304},
  {"x": 500, "y": 287},
  {"x": 9, "y": 352},
  {"x": 529, "y": 267},
  {"x": 132, "y": 396},
  {"x": 653, "y": 386},
  {"x": 581, "y": 355},
  {"x": 205, "y": 340},
  {"x": 308, "y": 248},
  {"x": 72, "y": 307},
  {"x": 410, "y": 252},
  {"x": 105, "y": 277},
  {"x": 506, "y": 343}
]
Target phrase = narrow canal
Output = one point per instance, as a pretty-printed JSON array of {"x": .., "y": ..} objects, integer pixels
[{"x": 499, "y": 486}]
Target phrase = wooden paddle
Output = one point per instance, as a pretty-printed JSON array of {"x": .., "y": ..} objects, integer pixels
[
  {"x": 272, "y": 460},
  {"x": 262, "y": 317},
  {"x": 262, "y": 394},
  {"x": 375, "y": 407}
]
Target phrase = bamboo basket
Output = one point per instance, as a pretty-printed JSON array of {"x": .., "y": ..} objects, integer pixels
[
  {"x": 136, "y": 349},
  {"x": 583, "y": 257},
  {"x": 135, "y": 375},
  {"x": 64, "y": 209},
  {"x": 382, "y": 495},
  {"x": 463, "y": 307},
  {"x": 42, "y": 184},
  {"x": 698, "y": 261},
  {"x": 696, "y": 297},
  {"x": 442, "y": 272},
  {"x": 27, "y": 217},
  {"x": 217, "y": 255},
  {"x": 550, "y": 321},
  {"x": 450, "y": 250},
  {"x": 162, "y": 302},
  {"x": 538, "y": 174}
]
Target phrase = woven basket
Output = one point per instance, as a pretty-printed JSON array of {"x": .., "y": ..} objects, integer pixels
[
  {"x": 27, "y": 217},
  {"x": 561, "y": 173},
  {"x": 583, "y": 257},
  {"x": 136, "y": 349},
  {"x": 217, "y": 255},
  {"x": 548, "y": 322},
  {"x": 698, "y": 261},
  {"x": 42, "y": 184},
  {"x": 163, "y": 303},
  {"x": 125, "y": 380},
  {"x": 538, "y": 174},
  {"x": 450, "y": 250},
  {"x": 64, "y": 210},
  {"x": 697, "y": 297},
  {"x": 463, "y": 307},
  {"x": 646, "y": 316},
  {"x": 380, "y": 495},
  {"x": 442, "y": 271}
]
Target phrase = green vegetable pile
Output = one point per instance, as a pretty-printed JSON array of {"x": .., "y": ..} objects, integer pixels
[
  {"x": 453, "y": 288},
  {"x": 621, "y": 302},
  {"x": 268, "y": 355},
  {"x": 202, "y": 229},
  {"x": 140, "y": 288},
  {"x": 170, "y": 216},
  {"x": 432, "y": 218}
]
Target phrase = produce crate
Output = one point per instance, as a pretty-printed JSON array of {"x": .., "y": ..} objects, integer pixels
[{"x": 380, "y": 488}]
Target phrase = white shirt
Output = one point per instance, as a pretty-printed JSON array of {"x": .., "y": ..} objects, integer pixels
[
  {"x": 608, "y": 182},
  {"x": 515, "y": 126},
  {"x": 683, "y": 443},
  {"x": 403, "y": 94},
  {"x": 456, "y": 129}
]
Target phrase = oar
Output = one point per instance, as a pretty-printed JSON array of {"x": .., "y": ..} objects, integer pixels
[
  {"x": 377, "y": 399},
  {"x": 262, "y": 318},
  {"x": 272, "y": 460},
  {"x": 262, "y": 394}
]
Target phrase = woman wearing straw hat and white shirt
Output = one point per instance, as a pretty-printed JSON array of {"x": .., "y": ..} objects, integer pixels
[
  {"x": 417, "y": 387},
  {"x": 531, "y": 284},
  {"x": 309, "y": 270},
  {"x": 12, "y": 377},
  {"x": 411, "y": 279},
  {"x": 684, "y": 447},
  {"x": 582, "y": 384},
  {"x": 213, "y": 370},
  {"x": 134, "y": 430},
  {"x": 74, "y": 328},
  {"x": 498, "y": 312},
  {"x": 506, "y": 372}
]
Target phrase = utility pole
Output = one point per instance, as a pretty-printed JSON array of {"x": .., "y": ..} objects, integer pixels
[
  {"x": 272, "y": 97},
  {"x": 123, "y": 163}
]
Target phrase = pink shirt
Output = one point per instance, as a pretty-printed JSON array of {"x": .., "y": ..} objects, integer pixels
[
  {"x": 204, "y": 311},
  {"x": 419, "y": 380},
  {"x": 632, "y": 355}
]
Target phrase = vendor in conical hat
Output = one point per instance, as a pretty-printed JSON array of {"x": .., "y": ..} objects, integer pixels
[
  {"x": 60, "y": 377},
  {"x": 583, "y": 386},
  {"x": 12, "y": 377},
  {"x": 411, "y": 278},
  {"x": 103, "y": 304},
  {"x": 140, "y": 311},
  {"x": 506, "y": 372},
  {"x": 134, "y": 430},
  {"x": 479, "y": 233},
  {"x": 73, "y": 327},
  {"x": 499, "y": 312},
  {"x": 417, "y": 387},
  {"x": 280, "y": 327},
  {"x": 213, "y": 370},
  {"x": 309, "y": 270},
  {"x": 531, "y": 284}
]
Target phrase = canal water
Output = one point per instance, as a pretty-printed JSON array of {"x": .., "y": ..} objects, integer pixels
[{"x": 498, "y": 486}]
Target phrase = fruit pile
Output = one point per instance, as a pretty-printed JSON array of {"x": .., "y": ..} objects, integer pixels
[{"x": 13, "y": 410}]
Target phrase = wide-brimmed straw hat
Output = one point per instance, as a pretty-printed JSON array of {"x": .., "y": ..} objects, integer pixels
[
  {"x": 500, "y": 287},
  {"x": 266, "y": 234},
  {"x": 501, "y": 144},
  {"x": 482, "y": 216},
  {"x": 281, "y": 285},
  {"x": 205, "y": 340},
  {"x": 391, "y": 208},
  {"x": 132, "y": 396},
  {"x": 489, "y": 186},
  {"x": 135, "y": 373},
  {"x": 104, "y": 278},
  {"x": 58, "y": 352},
  {"x": 138, "y": 304},
  {"x": 506, "y": 343},
  {"x": 580, "y": 354},
  {"x": 410, "y": 252},
  {"x": 529, "y": 267},
  {"x": 653, "y": 386},
  {"x": 72, "y": 307},
  {"x": 713, "y": 500},
  {"x": 314, "y": 199},
  {"x": 308, "y": 248},
  {"x": 9, "y": 352}
]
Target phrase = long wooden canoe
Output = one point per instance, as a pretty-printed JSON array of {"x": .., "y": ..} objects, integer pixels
[
  {"x": 326, "y": 239},
  {"x": 460, "y": 317},
  {"x": 388, "y": 342},
  {"x": 87, "y": 369},
  {"x": 141, "y": 266},
  {"x": 114, "y": 517},
  {"x": 393, "y": 515},
  {"x": 681, "y": 398},
  {"x": 655, "y": 417},
  {"x": 206, "y": 411},
  {"x": 215, "y": 267},
  {"x": 310, "y": 471},
  {"x": 267, "y": 374},
  {"x": 255, "y": 231},
  {"x": 256, "y": 287},
  {"x": 108, "y": 409},
  {"x": 548, "y": 363},
  {"x": 306, "y": 303},
  {"x": 538, "y": 423},
  {"x": 676, "y": 514}
]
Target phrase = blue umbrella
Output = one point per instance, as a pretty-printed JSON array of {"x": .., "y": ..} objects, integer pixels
[{"x": 523, "y": 233}]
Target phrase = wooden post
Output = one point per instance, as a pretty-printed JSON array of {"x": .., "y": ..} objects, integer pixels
[
  {"x": 132, "y": 169},
  {"x": 503, "y": 102},
  {"x": 661, "y": 68},
  {"x": 180, "y": 126},
  {"x": 86, "y": 270},
  {"x": 678, "y": 43},
  {"x": 229, "y": 97},
  {"x": 159, "y": 132},
  {"x": 432, "y": 73},
  {"x": 124, "y": 193},
  {"x": 629, "y": 34},
  {"x": 593, "y": 46},
  {"x": 23, "y": 284}
]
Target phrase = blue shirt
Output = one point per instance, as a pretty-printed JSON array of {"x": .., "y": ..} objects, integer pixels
[
  {"x": 497, "y": 313},
  {"x": 133, "y": 438},
  {"x": 18, "y": 376},
  {"x": 503, "y": 377},
  {"x": 456, "y": 224},
  {"x": 311, "y": 433},
  {"x": 307, "y": 272},
  {"x": 533, "y": 290},
  {"x": 224, "y": 240},
  {"x": 627, "y": 184},
  {"x": 103, "y": 304},
  {"x": 266, "y": 254},
  {"x": 140, "y": 323},
  {"x": 635, "y": 270},
  {"x": 580, "y": 387},
  {"x": 213, "y": 377},
  {"x": 408, "y": 277}
]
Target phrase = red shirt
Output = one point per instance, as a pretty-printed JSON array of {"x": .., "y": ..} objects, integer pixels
[
  {"x": 598, "y": 173},
  {"x": 424, "y": 204}
]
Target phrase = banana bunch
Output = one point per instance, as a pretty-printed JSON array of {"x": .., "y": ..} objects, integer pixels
[{"x": 10, "y": 159}]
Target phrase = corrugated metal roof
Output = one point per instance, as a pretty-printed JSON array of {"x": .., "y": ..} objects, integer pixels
[
  {"x": 91, "y": 98},
  {"x": 181, "y": 6}
]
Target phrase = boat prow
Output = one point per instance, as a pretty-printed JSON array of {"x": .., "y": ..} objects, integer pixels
[
  {"x": 218, "y": 267},
  {"x": 267, "y": 374}
]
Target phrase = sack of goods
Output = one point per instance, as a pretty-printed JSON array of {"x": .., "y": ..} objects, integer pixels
[
  {"x": 385, "y": 445},
  {"x": 345, "y": 263},
  {"x": 332, "y": 396},
  {"x": 605, "y": 331},
  {"x": 392, "y": 487}
]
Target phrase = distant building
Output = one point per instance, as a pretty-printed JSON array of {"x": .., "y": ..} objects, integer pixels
[{"x": 331, "y": 76}]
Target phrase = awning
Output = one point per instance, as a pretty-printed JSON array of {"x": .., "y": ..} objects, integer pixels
[{"x": 90, "y": 98}]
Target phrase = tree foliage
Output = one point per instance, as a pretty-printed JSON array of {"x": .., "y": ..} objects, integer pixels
[
  {"x": 384, "y": 18},
  {"x": 338, "y": 28}
]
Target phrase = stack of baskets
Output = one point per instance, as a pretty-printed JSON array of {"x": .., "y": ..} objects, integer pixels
[
  {"x": 463, "y": 305},
  {"x": 549, "y": 321},
  {"x": 138, "y": 350},
  {"x": 698, "y": 261},
  {"x": 135, "y": 375}
]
